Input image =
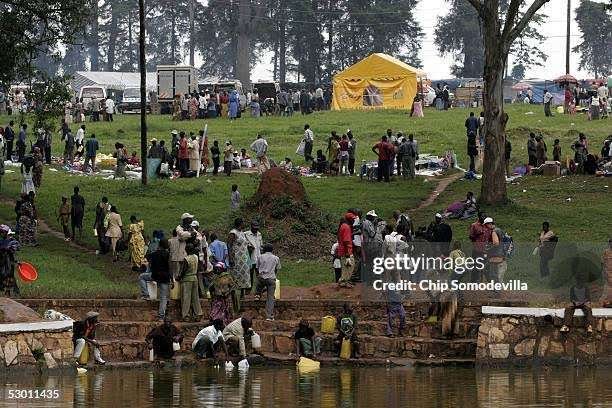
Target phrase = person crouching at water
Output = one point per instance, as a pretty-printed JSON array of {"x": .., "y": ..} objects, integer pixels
[
  {"x": 237, "y": 332},
  {"x": 83, "y": 333},
  {"x": 307, "y": 343},
  {"x": 160, "y": 339},
  {"x": 347, "y": 324},
  {"x": 204, "y": 343}
]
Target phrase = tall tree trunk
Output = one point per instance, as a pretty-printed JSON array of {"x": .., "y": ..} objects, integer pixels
[
  {"x": 243, "y": 46},
  {"x": 94, "y": 38},
  {"x": 142, "y": 64},
  {"x": 330, "y": 40},
  {"x": 173, "y": 39},
  {"x": 130, "y": 41},
  {"x": 112, "y": 40},
  {"x": 282, "y": 44},
  {"x": 275, "y": 60},
  {"x": 192, "y": 32},
  {"x": 493, "y": 188}
]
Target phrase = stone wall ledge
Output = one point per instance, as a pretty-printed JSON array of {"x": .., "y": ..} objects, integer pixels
[
  {"x": 44, "y": 326},
  {"x": 540, "y": 311}
]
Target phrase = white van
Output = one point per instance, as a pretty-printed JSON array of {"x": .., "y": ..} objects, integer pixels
[{"x": 88, "y": 92}]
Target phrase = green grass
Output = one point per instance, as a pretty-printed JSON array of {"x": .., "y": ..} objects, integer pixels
[{"x": 161, "y": 203}]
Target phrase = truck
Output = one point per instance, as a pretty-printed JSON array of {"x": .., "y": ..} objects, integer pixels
[
  {"x": 130, "y": 101},
  {"x": 175, "y": 80},
  {"x": 87, "y": 93}
]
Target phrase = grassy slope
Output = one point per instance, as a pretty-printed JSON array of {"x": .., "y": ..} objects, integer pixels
[{"x": 161, "y": 204}]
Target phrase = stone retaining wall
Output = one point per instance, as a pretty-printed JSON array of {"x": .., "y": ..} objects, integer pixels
[
  {"x": 26, "y": 344},
  {"x": 520, "y": 339}
]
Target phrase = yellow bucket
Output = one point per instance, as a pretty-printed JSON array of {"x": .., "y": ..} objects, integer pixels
[
  {"x": 328, "y": 324},
  {"x": 306, "y": 364},
  {"x": 277, "y": 290},
  {"x": 84, "y": 357},
  {"x": 345, "y": 350},
  {"x": 175, "y": 292}
]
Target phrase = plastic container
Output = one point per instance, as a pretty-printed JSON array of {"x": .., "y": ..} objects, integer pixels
[
  {"x": 152, "y": 289},
  {"x": 175, "y": 292},
  {"x": 176, "y": 346},
  {"x": 328, "y": 324},
  {"x": 151, "y": 355},
  {"x": 306, "y": 364},
  {"x": 84, "y": 357},
  {"x": 345, "y": 350},
  {"x": 277, "y": 290},
  {"x": 256, "y": 341},
  {"x": 27, "y": 272}
]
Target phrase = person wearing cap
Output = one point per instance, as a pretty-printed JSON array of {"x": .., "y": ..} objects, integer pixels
[
  {"x": 63, "y": 217},
  {"x": 183, "y": 233},
  {"x": 228, "y": 158},
  {"x": 83, "y": 333},
  {"x": 372, "y": 247},
  {"x": 345, "y": 250},
  {"x": 496, "y": 258},
  {"x": 155, "y": 150},
  {"x": 8, "y": 247}
]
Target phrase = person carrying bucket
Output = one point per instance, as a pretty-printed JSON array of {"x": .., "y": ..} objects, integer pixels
[{"x": 83, "y": 333}]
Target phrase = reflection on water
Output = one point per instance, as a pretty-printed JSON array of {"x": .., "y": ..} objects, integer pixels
[{"x": 330, "y": 387}]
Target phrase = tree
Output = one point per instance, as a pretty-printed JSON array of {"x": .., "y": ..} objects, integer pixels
[
  {"x": 518, "y": 71},
  {"x": 595, "y": 49},
  {"x": 498, "y": 34},
  {"x": 459, "y": 34},
  {"x": 142, "y": 65},
  {"x": 50, "y": 94},
  {"x": 31, "y": 27}
]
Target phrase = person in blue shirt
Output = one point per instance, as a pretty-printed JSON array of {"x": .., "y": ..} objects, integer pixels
[
  {"x": 21, "y": 142},
  {"x": 218, "y": 250},
  {"x": 471, "y": 124},
  {"x": 91, "y": 150}
]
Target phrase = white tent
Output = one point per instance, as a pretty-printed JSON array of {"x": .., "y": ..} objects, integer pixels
[{"x": 112, "y": 80}]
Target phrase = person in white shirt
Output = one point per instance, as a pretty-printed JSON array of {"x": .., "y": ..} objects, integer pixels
[
  {"x": 202, "y": 103},
  {"x": 254, "y": 244},
  {"x": 110, "y": 109},
  {"x": 336, "y": 263},
  {"x": 547, "y": 102},
  {"x": 204, "y": 343},
  {"x": 308, "y": 142},
  {"x": 79, "y": 140},
  {"x": 267, "y": 266},
  {"x": 260, "y": 147}
]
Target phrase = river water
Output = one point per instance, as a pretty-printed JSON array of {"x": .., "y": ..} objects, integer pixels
[{"x": 330, "y": 387}]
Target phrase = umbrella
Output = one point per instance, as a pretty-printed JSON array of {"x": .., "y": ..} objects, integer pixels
[
  {"x": 521, "y": 86},
  {"x": 566, "y": 79}
]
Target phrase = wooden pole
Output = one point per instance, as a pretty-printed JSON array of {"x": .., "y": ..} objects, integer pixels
[
  {"x": 567, "y": 38},
  {"x": 143, "y": 91}
]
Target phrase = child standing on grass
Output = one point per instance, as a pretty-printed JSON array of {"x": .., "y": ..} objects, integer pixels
[
  {"x": 63, "y": 216},
  {"x": 235, "y": 198},
  {"x": 557, "y": 151}
]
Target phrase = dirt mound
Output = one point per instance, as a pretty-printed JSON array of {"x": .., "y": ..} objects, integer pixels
[
  {"x": 288, "y": 219},
  {"x": 276, "y": 183}
]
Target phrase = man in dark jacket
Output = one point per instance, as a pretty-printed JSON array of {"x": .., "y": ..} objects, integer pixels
[
  {"x": 471, "y": 124},
  {"x": 9, "y": 138},
  {"x": 161, "y": 339},
  {"x": 158, "y": 271},
  {"x": 441, "y": 236}
]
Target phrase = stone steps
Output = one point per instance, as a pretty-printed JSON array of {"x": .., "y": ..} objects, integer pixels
[
  {"x": 129, "y": 349},
  {"x": 314, "y": 310},
  {"x": 139, "y": 329}
]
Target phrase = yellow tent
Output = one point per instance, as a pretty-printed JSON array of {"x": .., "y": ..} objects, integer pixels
[{"x": 378, "y": 81}]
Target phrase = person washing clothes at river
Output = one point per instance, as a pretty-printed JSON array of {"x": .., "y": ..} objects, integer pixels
[
  {"x": 347, "y": 325},
  {"x": 237, "y": 332},
  {"x": 307, "y": 343},
  {"x": 161, "y": 338},
  {"x": 206, "y": 340},
  {"x": 83, "y": 334}
]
